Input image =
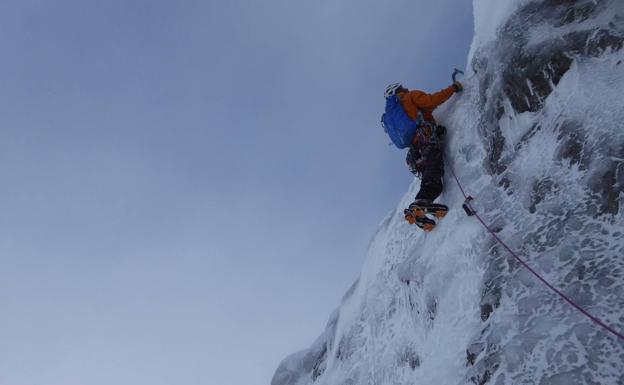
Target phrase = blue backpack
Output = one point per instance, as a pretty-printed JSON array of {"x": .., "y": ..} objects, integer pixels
[{"x": 397, "y": 124}]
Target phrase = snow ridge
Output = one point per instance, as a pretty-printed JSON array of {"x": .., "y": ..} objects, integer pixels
[{"x": 536, "y": 138}]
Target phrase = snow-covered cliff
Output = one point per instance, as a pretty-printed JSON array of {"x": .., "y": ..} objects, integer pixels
[{"x": 537, "y": 138}]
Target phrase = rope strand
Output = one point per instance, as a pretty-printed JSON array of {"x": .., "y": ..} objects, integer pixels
[{"x": 526, "y": 265}]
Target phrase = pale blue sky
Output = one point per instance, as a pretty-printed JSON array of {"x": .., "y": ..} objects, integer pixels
[{"x": 189, "y": 187}]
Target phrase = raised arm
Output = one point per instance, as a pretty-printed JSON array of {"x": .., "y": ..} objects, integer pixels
[{"x": 431, "y": 101}]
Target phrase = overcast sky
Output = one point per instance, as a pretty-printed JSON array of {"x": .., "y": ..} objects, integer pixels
[{"x": 189, "y": 187}]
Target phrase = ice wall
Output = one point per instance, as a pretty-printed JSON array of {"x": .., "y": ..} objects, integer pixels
[{"x": 537, "y": 138}]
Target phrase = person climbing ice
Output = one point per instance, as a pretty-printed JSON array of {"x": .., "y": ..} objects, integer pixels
[{"x": 409, "y": 121}]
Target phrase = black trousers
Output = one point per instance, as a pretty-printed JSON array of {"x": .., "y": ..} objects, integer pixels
[{"x": 431, "y": 182}]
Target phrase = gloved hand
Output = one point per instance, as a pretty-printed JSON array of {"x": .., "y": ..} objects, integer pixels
[{"x": 458, "y": 86}]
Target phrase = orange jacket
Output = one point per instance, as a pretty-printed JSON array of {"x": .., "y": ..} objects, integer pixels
[{"x": 415, "y": 101}]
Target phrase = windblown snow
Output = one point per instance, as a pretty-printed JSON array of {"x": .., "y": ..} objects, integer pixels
[{"x": 537, "y": 139}]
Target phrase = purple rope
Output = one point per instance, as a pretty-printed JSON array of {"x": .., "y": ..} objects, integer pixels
[{"x": 551, "y": 287}]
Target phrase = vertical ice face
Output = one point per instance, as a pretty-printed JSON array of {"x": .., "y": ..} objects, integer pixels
[{"x": 537, "y": 138}]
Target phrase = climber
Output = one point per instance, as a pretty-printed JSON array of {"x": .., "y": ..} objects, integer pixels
[{"x": 424, "y": 138}]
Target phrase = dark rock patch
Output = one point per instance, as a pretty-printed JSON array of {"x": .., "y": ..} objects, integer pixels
[
  {"x": 576, "y": 14},
  {"x": 540, "y": 190},
  {"x": 319, "y": 364},
  {"x": 409, "y": 358},
  {"x": 530, "y": 78},
  {"x": 486, "y": 310},
  {"x": 472, "y": 352},
  {"x": 432, "y": 308},
  {"x": 531, "y": 71},
  {"x": 497, "y": 145},
  {"x": 608, "y": 192},
  {"x": 572, "y": 145},
  {"x": 481, "y": 379}
]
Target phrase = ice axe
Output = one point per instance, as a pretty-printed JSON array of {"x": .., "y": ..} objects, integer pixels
[
  {"x": 455, "y": 73},
  {"x": 458, "y": 87}
]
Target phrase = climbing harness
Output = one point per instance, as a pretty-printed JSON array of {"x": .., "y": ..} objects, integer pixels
[{"x": 470, "y": 211}]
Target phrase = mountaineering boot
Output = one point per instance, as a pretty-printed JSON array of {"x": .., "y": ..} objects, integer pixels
[
  {"x": 425, "y": 223},
  {"x": 420, "y": 207},
  {"x": 422, "y": 222},
  {"x": 409, "y": 216}
]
